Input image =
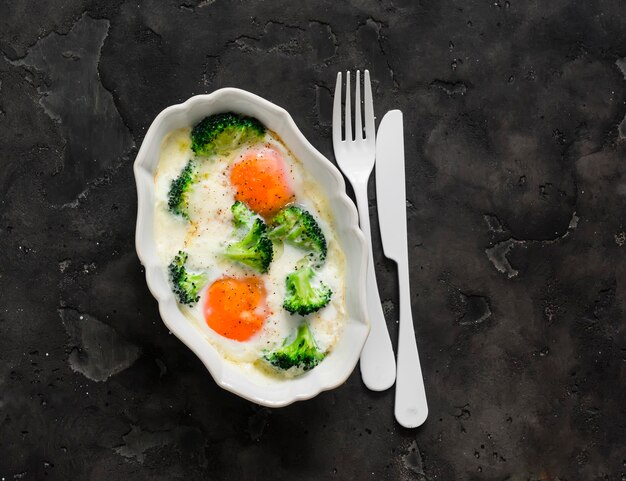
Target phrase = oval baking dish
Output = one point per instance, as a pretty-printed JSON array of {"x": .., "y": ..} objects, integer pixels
[{"x": 342, "y": 359}]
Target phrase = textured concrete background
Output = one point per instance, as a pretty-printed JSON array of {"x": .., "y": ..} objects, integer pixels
[{"x": 516, "y": 151}]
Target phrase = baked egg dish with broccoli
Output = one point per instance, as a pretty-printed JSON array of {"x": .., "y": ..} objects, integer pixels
[{"x": 248, "y": 241}]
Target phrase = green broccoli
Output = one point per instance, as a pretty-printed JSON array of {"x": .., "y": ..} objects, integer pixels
[
  {"x": 179, "y": 190},
  {"x": 302, "y": 352},
  {"x": 242, "y": 216},
  {"x": 302, "y": 297},
  {"x": 184, "y": 284},
  {"x": 297, "y": 226},
  {"x": 221, "y": 133},
  {"x": 255, "y": 249}
]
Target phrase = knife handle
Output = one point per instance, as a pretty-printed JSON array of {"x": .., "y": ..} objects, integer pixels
[
  {"x": 378, "y": 364},
  {"x": 411, "y": 408}
]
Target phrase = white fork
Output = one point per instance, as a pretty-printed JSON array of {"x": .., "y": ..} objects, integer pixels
[{"x": 355, "y": 156}]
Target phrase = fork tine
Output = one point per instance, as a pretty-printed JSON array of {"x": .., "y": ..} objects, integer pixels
[
  {"x": 369, "y": 108},
  {"x": 337, "y": 111},
  {"x": 358, "y": 126},
  {"x": 348, "y": 115}
]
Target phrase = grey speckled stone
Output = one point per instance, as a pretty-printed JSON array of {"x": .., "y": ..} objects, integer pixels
[{"x": 514, "y": 119}]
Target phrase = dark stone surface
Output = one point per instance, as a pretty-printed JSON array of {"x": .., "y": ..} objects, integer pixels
[{"x": 516, "y": 152}]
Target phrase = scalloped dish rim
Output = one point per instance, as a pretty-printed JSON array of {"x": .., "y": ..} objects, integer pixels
[{"x": 342, "y": 360}]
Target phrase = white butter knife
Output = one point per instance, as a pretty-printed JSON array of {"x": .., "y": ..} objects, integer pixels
[{"x": 411, "y": 408}]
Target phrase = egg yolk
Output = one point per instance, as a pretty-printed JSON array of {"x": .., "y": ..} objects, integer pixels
[
  {"x": 261, "y": 181},
  {"x": 236, "y": 308}
]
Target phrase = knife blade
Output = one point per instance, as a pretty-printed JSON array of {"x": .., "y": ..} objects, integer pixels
[
  {"x": 390, "y": 188},
  {"x": 411, "y": 408}
]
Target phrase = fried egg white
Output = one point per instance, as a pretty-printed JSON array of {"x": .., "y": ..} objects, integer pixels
[{"x": 210, "y": 229}]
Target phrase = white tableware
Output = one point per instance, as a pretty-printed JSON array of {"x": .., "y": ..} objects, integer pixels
[
  {"x": 338, "y": 365},
  {"x": 355, "y": 156},
  {"x": 411, "y": 408}
]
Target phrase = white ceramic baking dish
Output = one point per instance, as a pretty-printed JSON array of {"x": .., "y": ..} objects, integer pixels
[{"x": 338, "y": 365}]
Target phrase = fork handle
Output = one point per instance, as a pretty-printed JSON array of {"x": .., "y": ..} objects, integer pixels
[{"x": 378, "y": 364}]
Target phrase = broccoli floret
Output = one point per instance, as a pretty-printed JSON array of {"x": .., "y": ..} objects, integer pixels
[
  {"x": 179, "y": 190},
  {"x": 302, "y": 297},
  {"x": 221, "y": 133},
  {"x": 184, "y": 284},
  {"x": 255, "y": 249},
  {"x": 242, "y": 216},
  {"x": 297, "y": 226},
  {"x": 302, "y": 352}
]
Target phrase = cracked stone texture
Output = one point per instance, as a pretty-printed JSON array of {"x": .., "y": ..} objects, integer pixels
[{"x": 515, "y": 116}]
